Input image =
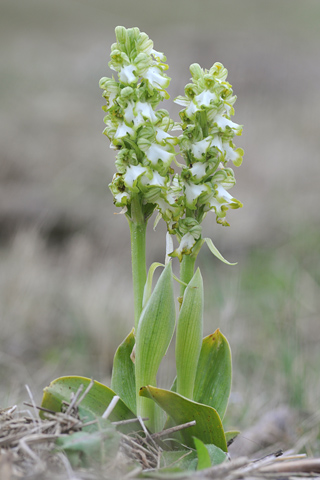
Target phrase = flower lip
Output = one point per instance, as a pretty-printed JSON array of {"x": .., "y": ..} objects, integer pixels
[
  {"x": 193, "y": 192},
  {"x": 199, "y": 148},
  {"x": 132, "y": 173},
  {"x": 198, "y": 170},
  {"x": 157, "y": 78},
  {"x": 156, "y": 152},
  {"x": 126, "y": 74},
  {"x": 123, "y": 130},
  {"x": 156, "y": 180},
  {"x": 204, "y": 98}
]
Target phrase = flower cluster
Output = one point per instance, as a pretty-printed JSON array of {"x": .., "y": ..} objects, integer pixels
[
  {"x": 206, "y": 146},
  {"x": 138, "y": 131}
]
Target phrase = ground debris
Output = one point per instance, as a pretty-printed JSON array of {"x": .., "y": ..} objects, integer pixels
[{"x": 28, "y": 450}]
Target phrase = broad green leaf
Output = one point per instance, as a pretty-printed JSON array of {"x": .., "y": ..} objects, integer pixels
[
  {"x": 93, "y": 404},
  {"x": 217, "y": 456},
  {"x": 178, "y": 460},
  {"x": 208, "y": 426},
  {"x": 148, "y": 286},
  {"x": 155, "y": 331},
  {"x": 174, "y": 461},
  {"x": 189, "y": 336},
  {"x": 86, "y": 449},
  {"x": 123, "y": 380},
  {"x": 214, "y": 373},
  {"x": 213, "y": 249},
  {"x": 204, "y": 460}
]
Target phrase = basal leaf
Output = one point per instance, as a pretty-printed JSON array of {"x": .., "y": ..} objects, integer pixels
[
  {"x": 208, "y": 426},
  {"x": 204, "y": 460},
  {"x": 214, "y": 373},
  {"x": 217, "y": 456},
  {"x": 189, "y": 336},
  {"x": 178, "y": 460},
  {"x": 155, "y": 330},
  {"x": 123, "y": 380},
  {"x": 85, "y": 449},
  {"x": 93, "y": 404}
]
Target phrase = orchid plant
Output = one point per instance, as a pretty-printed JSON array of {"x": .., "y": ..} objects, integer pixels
[{"x": 149, "y": 179}]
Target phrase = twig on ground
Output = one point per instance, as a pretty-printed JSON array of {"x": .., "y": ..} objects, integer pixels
[{"x": 174, "y": 429}]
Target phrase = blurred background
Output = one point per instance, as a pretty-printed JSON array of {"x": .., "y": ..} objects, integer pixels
[{"x": 65, "y": 286}]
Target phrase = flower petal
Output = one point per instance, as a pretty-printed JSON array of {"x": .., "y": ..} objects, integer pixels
[
  {"x": 156, "y": 180},
  {"x": 224, "y": 122},
  {"x": 156, "y": 78},
  {"x": 126, "y": 74},
  {"x": 198, "y": 170},
  {"x": 123, "y": 130},
  {"x": 205, "y": 98},
  {"x": 156, "y": 153},
  {"x": 132, "y": 173},
  {"x": 192, "y": 193},
  {"x": 199, "y": 148}
]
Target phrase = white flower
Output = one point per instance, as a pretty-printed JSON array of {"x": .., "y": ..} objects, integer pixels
[
  {"x": 186, "y": 244},
  {"x": 128, "y": 113},
  {"x": 120, "y": 197},
  {"x": 123, "y": 130},
  {"x": 156, "y": 153},
  {"x": 156, "y": 78},
  {"x": 224, "y": 122},
  {"x": 156, "y": 180},
  {"x": 132, "y": 173},
  {"x": 146, "y": 110},
  {"x": 163, "y": 205},
  {"x": 222, "y": 198},
  {"x": 216, "y": 206},
  {"x": 198, "y": 170},
  {"x": 126, "y": 74},
  {"x": 137, "y": 113},
  {"x": 231, "y": 154},
  {"x": 169, "y": 248},
  {"x": 158, "y": 55},
  {"x": 162, "y": 136},
  {"x": 222, "y": 194},
  {"x": 200, "y": 148},
  {"x": 193, "y": 192},
  {"x": 191, "y": 109},
  {"x": 205, "y": 97},
  {"x": 216, "y": 142}
]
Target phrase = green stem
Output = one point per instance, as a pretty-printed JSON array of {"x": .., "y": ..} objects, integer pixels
[
  {"x": 186, "y": 270},
  {"x": 138, "y": 227}
]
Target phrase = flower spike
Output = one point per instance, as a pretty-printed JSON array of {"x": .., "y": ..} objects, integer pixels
[{"x": 136, "y": 129}]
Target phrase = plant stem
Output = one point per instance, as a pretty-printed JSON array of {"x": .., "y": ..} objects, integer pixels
[
  {"x": 186, "y": 270},
  {"x": 138, "y": 227}
]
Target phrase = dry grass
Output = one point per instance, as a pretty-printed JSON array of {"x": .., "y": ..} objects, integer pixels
[{"x": 28, "y": 449}]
